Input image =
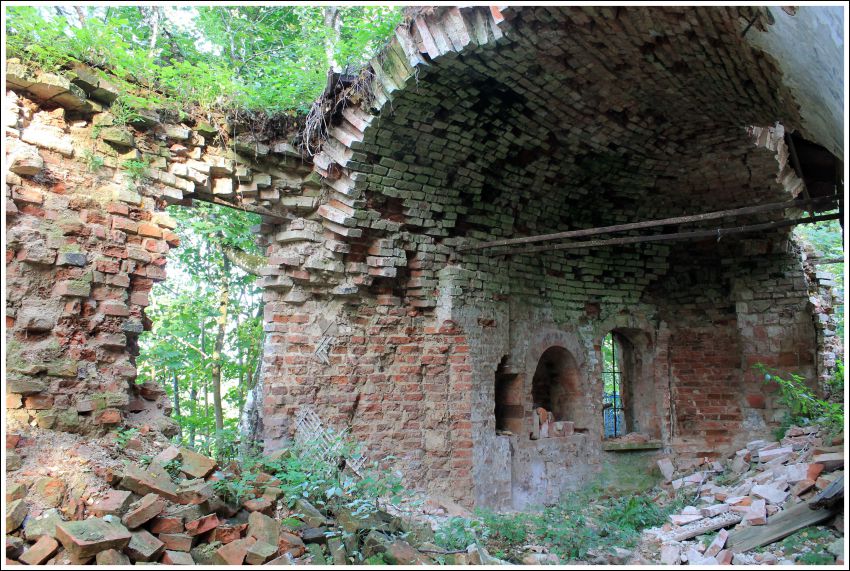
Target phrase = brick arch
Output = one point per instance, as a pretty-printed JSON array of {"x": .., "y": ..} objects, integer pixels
[{"x": 480, "y": 124}]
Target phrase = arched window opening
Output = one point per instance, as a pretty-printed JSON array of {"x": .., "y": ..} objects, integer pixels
[
  {"x": 613, "y": 412},
  {"x": 629, "y": 403}
]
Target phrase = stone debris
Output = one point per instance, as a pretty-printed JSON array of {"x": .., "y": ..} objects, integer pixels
[
  {"x": 160, "y": 527},
  {"x": 752, "y": 487}
]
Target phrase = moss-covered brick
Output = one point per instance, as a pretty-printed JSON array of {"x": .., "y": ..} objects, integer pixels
[
  {"x": 118, "y": 135},
  {"x": 73, "y": 288}
]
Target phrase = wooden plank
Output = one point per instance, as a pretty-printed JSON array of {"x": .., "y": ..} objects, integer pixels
[
  {"x": 762, "y": 208},
  {"x": 778, "y": 527},
  {"x": 624, "y": 446},
  {"x": 706, "y": 526},
  {"x": 830, "y": 496},
  {"x": 716, "y": 233},
  {"x": 795, "y": 162}
]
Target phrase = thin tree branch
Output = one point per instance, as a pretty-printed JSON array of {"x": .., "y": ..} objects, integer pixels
[{"x": 189, "y": 345}]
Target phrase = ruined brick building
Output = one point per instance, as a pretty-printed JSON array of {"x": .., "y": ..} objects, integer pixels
[{"x": 477, "y": 125}]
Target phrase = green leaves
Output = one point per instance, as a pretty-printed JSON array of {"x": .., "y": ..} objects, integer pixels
[
  {"x": 184, "y": 311},
  {"x": 221, "y": 58},
  {"x": 803, "y": 405}
]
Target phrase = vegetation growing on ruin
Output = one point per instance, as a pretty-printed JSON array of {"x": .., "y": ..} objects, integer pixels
[
  {"x": 272, "y": 59},
  {"x": 802, "y": 405},
  {"x": 825, "y": 239}
]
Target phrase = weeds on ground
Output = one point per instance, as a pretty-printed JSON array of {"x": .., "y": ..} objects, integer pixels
[
  {"x": 794, "y": 543},
  {"x": 582, "y": 522}
]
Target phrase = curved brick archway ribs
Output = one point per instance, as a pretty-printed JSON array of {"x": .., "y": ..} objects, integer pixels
[{"x": 482, "y": 124}]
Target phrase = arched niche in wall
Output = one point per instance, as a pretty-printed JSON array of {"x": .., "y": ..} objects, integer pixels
[{"x": 558, "y": 388}]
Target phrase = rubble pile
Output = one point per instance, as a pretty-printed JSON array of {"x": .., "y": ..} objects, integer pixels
[
  {"x": 762, "y": 494},
  {"x": 171, "y": 511}
]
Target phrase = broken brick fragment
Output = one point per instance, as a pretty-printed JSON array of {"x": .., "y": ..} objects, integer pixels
[
  {"x": 86, "y": 538},
  {"x": 43, "y": 550}
]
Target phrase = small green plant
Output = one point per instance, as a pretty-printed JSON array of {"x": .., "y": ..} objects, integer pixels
[
  {"x": 460, "y": 532},
  {"x": 123, "y": 436},
  {"x": 794, "y": 543},
  {"x": 802, "y": 404},
  {"x": 135, "y": 170},
  {"x": 123, "y": 112},
  {"x": 173, "y": 468},
  {"x": 145, "y": 460},
  {"x": 377, "y": 559},
  {"x": 635, "y": 513},
  {"x": 816, "y": 558},
  {"x": 93, "y": 161},
  {"x": 234, "y": 490}
]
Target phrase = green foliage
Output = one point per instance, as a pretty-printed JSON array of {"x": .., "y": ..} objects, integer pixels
[
  {"x": 173, "y": 468},
  {"x": 377, "y": 559},
  {"x": 825, "y": 239},
  {"x": 460, "y": 532},
  {"x": 581, "y": 522},
  {"x": 635, "y": 513},
  {"x": 804, "y": 407},
  {"x": 92, "y": 161},
  {"x": 234, "y": 490},
  {"x": 135, "y": 169},
  {"x": 794, "y": 543},
  {"x": 221, "y": 58},
  {"x": 123, "y": 111},
  {"x": 304, "y": 473},
  {"x": 182, "y": 340},
  {"x": 821, "y": 557},
  {"x": 124, "y": 435}
]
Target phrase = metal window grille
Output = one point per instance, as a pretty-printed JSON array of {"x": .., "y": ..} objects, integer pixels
[
  {"x": 612, "y": 403},
  {"x": 311, "y": 434}
]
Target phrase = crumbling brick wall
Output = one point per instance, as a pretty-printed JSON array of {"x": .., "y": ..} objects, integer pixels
[{"x": 480, "y": 125}]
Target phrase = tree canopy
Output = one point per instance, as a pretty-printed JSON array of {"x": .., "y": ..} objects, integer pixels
[
  {"x": 207, "y": 334},
  {"x": 271, "y": 59}
]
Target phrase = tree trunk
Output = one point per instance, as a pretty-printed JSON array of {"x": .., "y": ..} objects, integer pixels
[
  {"x": 332, "y": 21},
  {"x": 221, "y": 327},
  {"x": 193, "y": 403},
  {"x": 155, "y": 17},
  {"x": 176, "y": 389},
  {"x": 251, "y": 420},
  {"x": 81, "y": 14}
]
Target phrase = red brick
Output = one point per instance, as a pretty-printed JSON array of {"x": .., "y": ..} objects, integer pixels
[
  {"x": 202, "y": 525},
  {"x": 43, "y": 550},
  {"x": 177, "y": 541},
  {"x": 118, "y": 208},
  {"x": 39, "y": 402},
  {"x": 166, "y": 525},
  {"x": 109, "y": 416},
  {"x": 150, "y": 230},
  {"x": 124, "y": 224},
  {"x": 233, "y": 553}
]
